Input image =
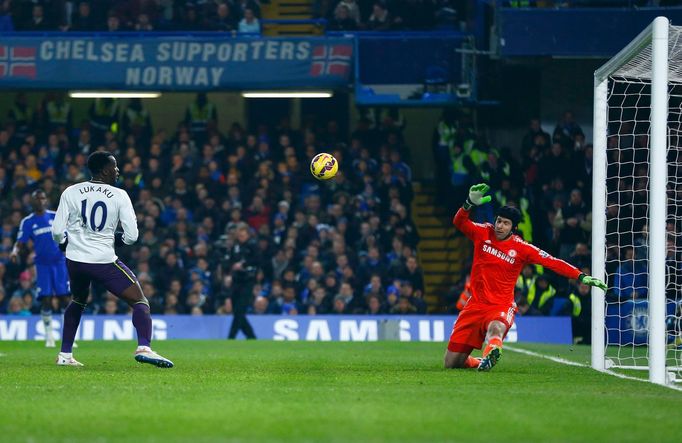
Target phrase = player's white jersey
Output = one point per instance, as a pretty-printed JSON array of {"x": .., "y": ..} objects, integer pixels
[{"x": 89, "y": 213}]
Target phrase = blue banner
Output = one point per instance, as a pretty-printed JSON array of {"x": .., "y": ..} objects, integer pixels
[
  {"x": 276, "y": 327},
  {"x": 416, "y": 59},
  {"x": 174, "y": 63},
  {"x": 627, "y": 323},
  {"x": 581, "y": 32}
]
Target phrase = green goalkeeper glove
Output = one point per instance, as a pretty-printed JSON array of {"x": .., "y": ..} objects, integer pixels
[
  {"x": 592, "y": 281},
  {"x": 477, "y": 196}
]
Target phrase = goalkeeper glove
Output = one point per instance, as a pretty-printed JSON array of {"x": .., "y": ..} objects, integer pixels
[
  {"x": 477, "y": 196},
  {"x": 592, "y": 281}
]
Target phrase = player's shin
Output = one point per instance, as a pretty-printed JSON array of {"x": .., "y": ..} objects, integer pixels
[
  {"x": 72, "y": 318},
  {"x": 142, "y": 321}
]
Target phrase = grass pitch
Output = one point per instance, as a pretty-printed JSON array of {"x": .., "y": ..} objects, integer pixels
[{"x": 300, "y": 391}]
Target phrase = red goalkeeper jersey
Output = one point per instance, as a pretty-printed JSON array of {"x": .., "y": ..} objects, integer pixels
[{"x": 497, "y": 264}]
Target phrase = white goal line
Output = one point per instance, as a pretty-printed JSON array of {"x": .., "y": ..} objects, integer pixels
[{"x": 563, "y": 361}]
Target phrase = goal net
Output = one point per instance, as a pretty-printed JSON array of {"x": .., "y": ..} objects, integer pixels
[{"x": 637, "y": 206}]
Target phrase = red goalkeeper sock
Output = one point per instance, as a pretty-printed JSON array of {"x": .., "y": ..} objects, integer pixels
[
  {"x": 472, "y": 362},
  {"x": 494, "y": 342}
]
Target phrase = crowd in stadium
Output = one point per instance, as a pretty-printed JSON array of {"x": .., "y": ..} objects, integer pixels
[
  {"x": 240, "y": 16},
  {"x": 343, "y": 246},
  {"x": 135, "y": 15}
]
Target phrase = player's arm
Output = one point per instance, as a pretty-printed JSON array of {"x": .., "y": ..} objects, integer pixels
[
  {"x": 19, "y": 248},
  {"x": 61, "y": 218},
  {"x": 461, "y": 221},
  {"x": 559, "y": 266},
  {"x": 128, "y": 221}
]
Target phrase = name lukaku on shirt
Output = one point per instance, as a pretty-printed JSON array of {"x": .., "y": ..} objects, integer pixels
[
  {"x": 499, "y": 254},
  {"x": 92, "y": 188}
]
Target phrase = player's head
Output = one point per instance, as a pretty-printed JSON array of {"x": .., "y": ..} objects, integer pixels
[
  {"x": 102, "y": 166},
  {"x": 39, "y": 200},
  {"x": 507, "y": 220}
]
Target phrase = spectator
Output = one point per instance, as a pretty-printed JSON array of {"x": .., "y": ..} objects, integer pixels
[
  {"x": 142, "y": 23},
  {"x": 403, "y": 307},
  {"x": 631, "y": 277},
  {"x": 201, "y": 117},
  {"x": 191, "y": 21},
  {"x": 225, "y": 20},
  {"x": 381, "y": 19},
  {"x": 38, "y": 21},
  {"x": 535, "y": 136},
  {"x": 243, "y": 5},
  {"x": 342, "y": 20},
  {"x": 17, "y": 307},
  {"x": 374, "y": 306},
  {"x": 566, "y": 130},
  {"x": 574, "y": 223},
  {"x": 113, "y": 23},
  {"x": 83, "y": 19},
  {"x": 249, "y": 24}
]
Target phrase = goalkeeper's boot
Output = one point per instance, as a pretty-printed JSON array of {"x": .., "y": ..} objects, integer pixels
[
  {"x": 490, "y": 359},
  {"x": 144, "y": 354},
  {"x": 66, "y": 359}
]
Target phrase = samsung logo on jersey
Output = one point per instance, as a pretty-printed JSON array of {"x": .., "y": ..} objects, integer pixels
[
  {"x": 499, "y": 254},
  {"x": 44, "y": 230}
]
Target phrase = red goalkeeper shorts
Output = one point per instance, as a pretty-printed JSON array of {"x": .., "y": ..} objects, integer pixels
[{"x": 472, "y": 325}]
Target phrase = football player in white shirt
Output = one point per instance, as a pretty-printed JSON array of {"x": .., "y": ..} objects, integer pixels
[{"x": 85, "y": 228}]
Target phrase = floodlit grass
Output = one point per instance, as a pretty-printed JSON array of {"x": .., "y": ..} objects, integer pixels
[{"x": 302, "y": 391}]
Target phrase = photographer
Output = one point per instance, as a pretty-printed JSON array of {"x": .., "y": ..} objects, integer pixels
[{"x": 241, "y": 262}]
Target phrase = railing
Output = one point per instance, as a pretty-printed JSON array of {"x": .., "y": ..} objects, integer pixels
[
  {"x": 389, "y": 35},
  {"x": 321, "y": 23},
  {"x": 573, "y": 4}
]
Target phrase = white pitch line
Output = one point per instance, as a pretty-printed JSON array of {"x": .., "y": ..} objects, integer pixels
[{"x": 563, "y": 361}]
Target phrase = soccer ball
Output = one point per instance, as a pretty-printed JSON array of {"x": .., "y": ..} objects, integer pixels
[{"x": 324, "y": 166}]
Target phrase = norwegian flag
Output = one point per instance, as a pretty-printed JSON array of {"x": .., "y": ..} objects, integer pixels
[
  {"x": 17, "y": 61},
  {"x": 331, "y": 60}
]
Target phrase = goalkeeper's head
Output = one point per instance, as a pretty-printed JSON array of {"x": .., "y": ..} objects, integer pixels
[{"x": 507, "y": 220}]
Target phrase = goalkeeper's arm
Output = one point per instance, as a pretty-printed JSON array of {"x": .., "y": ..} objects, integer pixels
[
  {"x": 462, "y": 221},
  {"x": 540, "y": 257}
]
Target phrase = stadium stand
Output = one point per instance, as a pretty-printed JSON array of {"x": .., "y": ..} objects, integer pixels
[
  {"x": 322, "y": 249},
  {"x": 229, "y": 16}
]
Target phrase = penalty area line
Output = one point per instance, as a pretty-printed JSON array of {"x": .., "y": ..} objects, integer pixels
[{"x": 563, "y": 361}]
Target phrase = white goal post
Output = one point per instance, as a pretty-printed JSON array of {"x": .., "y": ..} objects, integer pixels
[{"x": 636, "y": 137}]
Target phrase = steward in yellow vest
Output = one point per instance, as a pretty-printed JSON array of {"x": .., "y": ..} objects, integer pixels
[
  {"x": 136, "y": 121},
  {"x": 541, "y": 296},
  {"x": 201, "y": 116},
  {"x": 58, "y": 115},
  {"x": 22, "y": 116},
  {"x": 103, "y": 118}
]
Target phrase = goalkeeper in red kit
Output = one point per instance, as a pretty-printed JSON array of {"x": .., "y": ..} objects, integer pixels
[{"x": 499, "y": 256}]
